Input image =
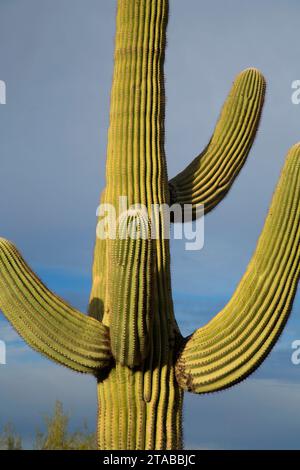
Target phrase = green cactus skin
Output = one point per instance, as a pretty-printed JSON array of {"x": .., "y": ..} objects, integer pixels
[{"x": 130, "y": 341}]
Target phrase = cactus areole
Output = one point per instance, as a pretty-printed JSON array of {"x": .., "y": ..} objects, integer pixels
[{"x": 130, "y": 340}]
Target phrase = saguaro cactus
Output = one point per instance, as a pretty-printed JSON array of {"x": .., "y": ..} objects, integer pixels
[{"x": 130, "y": 341}]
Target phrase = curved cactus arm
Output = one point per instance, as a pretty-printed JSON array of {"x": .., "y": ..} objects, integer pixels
[
  {"x": 237, "y": 340},
  {"x": 47, "y": 323},
  {"x": 209, "y": 177}
]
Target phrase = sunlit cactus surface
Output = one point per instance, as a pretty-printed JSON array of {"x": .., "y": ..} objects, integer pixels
[{"x": 130, "y": 340}]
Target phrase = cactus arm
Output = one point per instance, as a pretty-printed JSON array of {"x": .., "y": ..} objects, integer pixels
[
  {"x": 237, "y": 340},
  {"x": 47, "y": 323},
  {"x": 130, "y": 286},
  {"x": 209, "y": 177}
]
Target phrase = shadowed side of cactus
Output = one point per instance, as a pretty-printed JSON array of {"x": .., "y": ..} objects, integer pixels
[{"x": 130, "y": 341}]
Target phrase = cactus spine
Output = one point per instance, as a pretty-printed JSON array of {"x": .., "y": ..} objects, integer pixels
[{"x": 130, "y": 341}]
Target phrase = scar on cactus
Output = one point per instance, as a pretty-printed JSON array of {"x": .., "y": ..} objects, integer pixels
[{"x": 130, "y": 340}]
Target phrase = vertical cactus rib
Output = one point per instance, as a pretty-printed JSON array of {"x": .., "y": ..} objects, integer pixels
[
  {"x": 236, "y": 341},
  {"x": 47, "y": 323},
  {"x": 209, "y": 177}
]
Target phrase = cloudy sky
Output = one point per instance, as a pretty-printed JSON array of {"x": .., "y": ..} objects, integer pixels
[{"x": 56, "y": 60}]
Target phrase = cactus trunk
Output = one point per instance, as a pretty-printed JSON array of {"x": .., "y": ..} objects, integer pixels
[
  {"x": 140, "y": 409},
  {"x": 139, "y": 399}
]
